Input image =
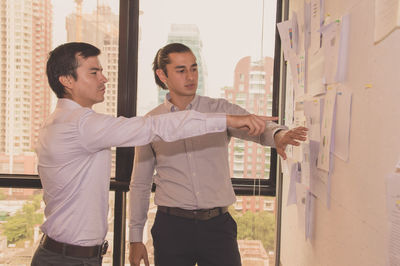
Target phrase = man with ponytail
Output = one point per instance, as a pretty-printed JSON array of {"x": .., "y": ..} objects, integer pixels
[{"x": 193, "y": 185}]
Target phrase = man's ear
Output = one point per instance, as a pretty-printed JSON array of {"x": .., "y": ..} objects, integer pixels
[
  {"x": 65, "y": 81},
  {"x": 161, "y": 75}
]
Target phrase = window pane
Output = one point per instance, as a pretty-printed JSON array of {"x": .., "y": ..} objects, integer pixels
[
  {"x": 234, "y": 54},
  {"x": 21, "y": 214},
  {"x": 29, "y": 29},
  {"x": 255, "y": 218},
  {"x": 233, "y": 42}
]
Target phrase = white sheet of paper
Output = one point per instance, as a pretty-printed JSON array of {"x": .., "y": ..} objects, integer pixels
[
  {"x": 320, "y": 180},
  {"x": 299, "y": 120},
  {"x": 315, "y": 84},
  {"x": 330, "y": 47},
  {"x": 289, "y": 109},
  {"x": 285, "y": 29},
  {"x": 387, "y": 18},
  {"x": 326, "y": 129},
  {"x": 313, "y": 110},
  {"x": 341, "y": 70},
  {"x": 314, "y": 148},
  {"x": 315, "y": 24},
  {"x": 293, "y": 62},
  {"x": 301, "y": 75},
  {"x": 289, "y": 100},
  {"x": 342, "y": 125}
]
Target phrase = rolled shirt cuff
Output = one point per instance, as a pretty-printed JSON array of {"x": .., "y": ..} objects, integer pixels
[
  {"x": 216, "y": 122},
  {"x": 136, "y": 235}
]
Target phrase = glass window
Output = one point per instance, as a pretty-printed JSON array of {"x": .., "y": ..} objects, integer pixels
[
  {"x": 56, "y": 22},
  {"x": 237, "y": 67},
  {"x": 23, "y": 56},
  {"x": 21, "y": 214},
  {"x": 256, "y": 229}
]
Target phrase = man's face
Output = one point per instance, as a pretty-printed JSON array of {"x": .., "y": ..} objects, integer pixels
[
  {"x": 182, "y": 74},
  {"x": 89, "y": 87}
]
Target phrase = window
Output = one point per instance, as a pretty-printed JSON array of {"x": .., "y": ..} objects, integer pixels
[
  {"x": 231, "y": 68},
  {"x": 218, "y": 63},
  {"x": 40, "y": 34}
]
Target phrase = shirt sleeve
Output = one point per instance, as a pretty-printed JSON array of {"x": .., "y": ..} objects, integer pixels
[
  {"x": 265, "y": 139},
  {"x": 139, "y": 191},
  {"x": 99, "y": 131}
]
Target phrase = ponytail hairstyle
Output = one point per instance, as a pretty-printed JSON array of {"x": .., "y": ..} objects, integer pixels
[{"x": 161, "y": 60}]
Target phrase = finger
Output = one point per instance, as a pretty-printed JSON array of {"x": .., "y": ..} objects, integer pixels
[
  {"x": 251, "y": 125},
  {"x": 296, "y": 135},
  {"x": 136, "y": 262},
  {"x": 299, "y": 137},
  {"x": 301, "y": 128},
  {"x": 292, "y": 142},
  {"x": 268, "y": 118},
  {"x": 301, "y": 131},
  {"x": 282, "y": 153},
  {"x": 261, "y": 124},
  {"x": 146, "y": 260},
  {"x": 259, "y": 127}
]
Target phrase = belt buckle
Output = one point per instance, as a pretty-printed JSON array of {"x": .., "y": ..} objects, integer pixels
[{"x": 103, "y": 248}]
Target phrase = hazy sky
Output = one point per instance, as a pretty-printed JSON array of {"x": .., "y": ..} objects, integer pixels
[{"x": 230, "y": 30}]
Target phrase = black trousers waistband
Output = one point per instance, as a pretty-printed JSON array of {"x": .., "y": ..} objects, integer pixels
[
  {"x": 203, "y": 214},
  {"x": 73, "y": 250}
]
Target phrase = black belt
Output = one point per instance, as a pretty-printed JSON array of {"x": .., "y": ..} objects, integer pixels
[
  {"x": 202, "y": 214},
  {"x": 73, "y": 250}
]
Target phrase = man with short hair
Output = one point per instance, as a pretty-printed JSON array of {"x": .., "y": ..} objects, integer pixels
[
  {"x": 74, "y": 155},
  {"x": 193, "y": 185}
]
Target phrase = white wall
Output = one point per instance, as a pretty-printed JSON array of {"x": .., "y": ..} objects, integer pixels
[{"x": 353, "y": 231}]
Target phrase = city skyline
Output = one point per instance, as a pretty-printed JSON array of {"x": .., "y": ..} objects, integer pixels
[
  {"x": 225, "y": 41},
  {"x": 25, "y": 97}
]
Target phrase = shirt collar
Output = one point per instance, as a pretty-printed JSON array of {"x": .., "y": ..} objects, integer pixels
[
  {"x": 172, "y": 108},
  {"x": 65, "y": 103}
]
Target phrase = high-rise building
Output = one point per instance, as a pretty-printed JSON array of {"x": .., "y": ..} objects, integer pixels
[
  {"x": 252, "y": 90},
  {"x": 189, "y": 35},
  {"x": 25, "y": 41}
]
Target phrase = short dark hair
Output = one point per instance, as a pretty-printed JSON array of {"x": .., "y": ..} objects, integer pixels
[
  {"x": 161, "y": 60},
  {"x": 62, "y": 61}
]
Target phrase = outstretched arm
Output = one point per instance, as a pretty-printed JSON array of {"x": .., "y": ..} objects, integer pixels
[
  {"x": 292, "y": 137},
  {"x": 254, "y": 124}
]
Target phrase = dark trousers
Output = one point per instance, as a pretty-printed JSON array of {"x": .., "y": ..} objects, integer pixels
[
  {"x": 44, "y": 257},
  {"x": 183, "y": 242}
]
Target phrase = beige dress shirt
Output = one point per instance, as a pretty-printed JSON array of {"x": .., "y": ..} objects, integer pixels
[{"x": 192, "y": 173}]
